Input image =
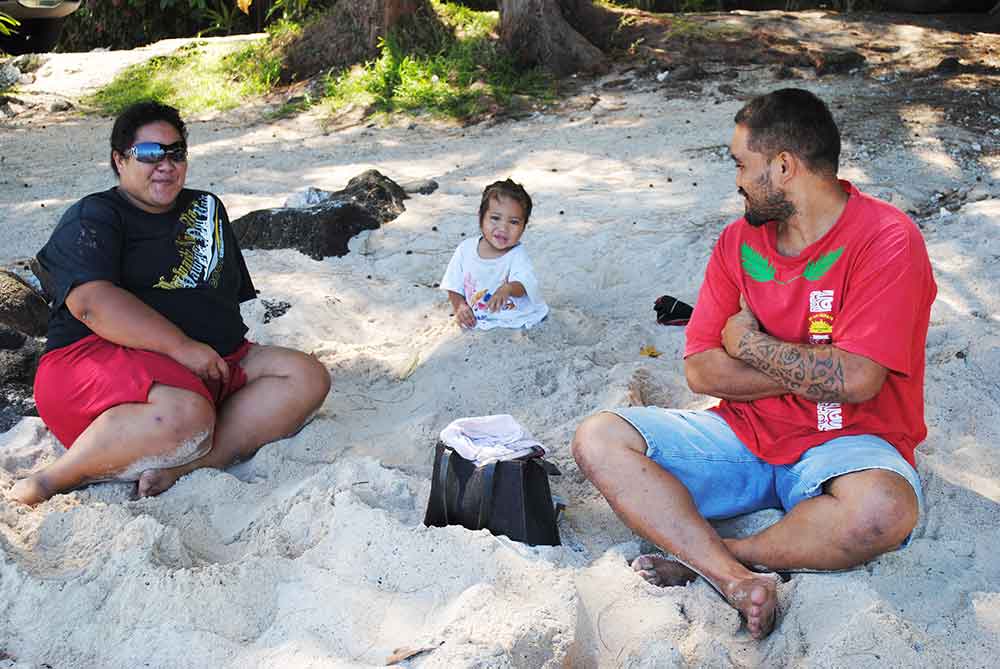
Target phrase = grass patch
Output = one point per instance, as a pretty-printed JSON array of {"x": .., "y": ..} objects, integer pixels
[
  {"x": 196, "y": 79},
  {"x": 684, "y": 28},
  {"x": 457, "y": 72},
  {"x": 464, "y": 76}
]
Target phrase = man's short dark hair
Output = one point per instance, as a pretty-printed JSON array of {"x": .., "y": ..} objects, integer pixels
[
  {"x": 134, "y": 117},
  {"x": 796, "y": 121},
  {"x": 506, "y": 188}
]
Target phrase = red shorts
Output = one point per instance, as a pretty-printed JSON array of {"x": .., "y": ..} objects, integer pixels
[{"x": 77, "y": 383}]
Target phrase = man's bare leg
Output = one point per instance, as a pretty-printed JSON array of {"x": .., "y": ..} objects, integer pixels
[
  {"x": 173, "y": 427},
  {"x": 655, "y": 505},
  {"x": 284, "y": 387},
  {"x": 860, "y": 516}
]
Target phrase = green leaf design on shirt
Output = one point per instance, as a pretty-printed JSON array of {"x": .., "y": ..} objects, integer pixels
[
  {"x": 818, "y": 268},
  {"x": 757, "y": 266}
]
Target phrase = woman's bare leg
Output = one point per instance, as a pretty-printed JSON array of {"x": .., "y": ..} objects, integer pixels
[
  {"x": 173, "y": 427},
  {"x": 284, "y": 387}
]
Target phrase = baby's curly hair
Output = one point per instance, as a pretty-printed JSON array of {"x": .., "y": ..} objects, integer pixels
[{"x": 506, "y": 188}]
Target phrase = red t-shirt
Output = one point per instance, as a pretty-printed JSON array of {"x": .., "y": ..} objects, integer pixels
[{"x": 866, "y": 287}]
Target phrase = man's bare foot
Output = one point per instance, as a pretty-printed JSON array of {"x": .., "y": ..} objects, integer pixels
[
  {"x": 661, "y": 571},
  {"x": 756, "y": 598},
  {"x": 30, "y": 491},
  {"x": 154, "y": 481}
]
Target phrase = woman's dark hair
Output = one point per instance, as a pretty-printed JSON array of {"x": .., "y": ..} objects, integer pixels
[
  {"x": 134, "y": 117},
  {"x": 796, "y": 121},
  {"x": 506, "y": 188}
]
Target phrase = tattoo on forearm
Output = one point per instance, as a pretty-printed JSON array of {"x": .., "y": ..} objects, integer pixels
[{"x": 814, "y": 372}]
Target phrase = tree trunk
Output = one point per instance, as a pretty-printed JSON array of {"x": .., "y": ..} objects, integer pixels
[
  {"x": 378, "y": 17},
  {"x": 536, "y": 33},
  {"x": 348, "y": 34}
]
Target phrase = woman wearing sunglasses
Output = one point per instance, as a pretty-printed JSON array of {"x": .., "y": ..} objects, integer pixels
[{"x": 147, "y": 374}]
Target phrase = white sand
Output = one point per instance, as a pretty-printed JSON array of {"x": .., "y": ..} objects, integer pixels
[{"x": 313, "y": 553}]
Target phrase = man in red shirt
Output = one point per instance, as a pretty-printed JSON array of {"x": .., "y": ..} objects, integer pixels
[{"x": 810, "y": 326}]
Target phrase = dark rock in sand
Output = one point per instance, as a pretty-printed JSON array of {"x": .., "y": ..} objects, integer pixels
[
  {"x": 19, "y": 365},
  {"x": 423, "y": 186},
  {"x": 21, "y": 306},
  {"x": 616, "y": 83},
  {"x": 949, "y": 65},
  {"x": 782, "y": 71},
  {"x": 324, "y": 229},
  {"x": 688, "y": 72},
  {"x": 836, "y": 61},
  {"x": 15, "y": 401},
  {"x": 17, "y": 377},
  {"x": 10, "y": 339},
  {"x": 275, "y": 309}
]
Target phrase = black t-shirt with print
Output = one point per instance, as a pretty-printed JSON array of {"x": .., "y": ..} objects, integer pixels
[{"x": 185, "y": 264}]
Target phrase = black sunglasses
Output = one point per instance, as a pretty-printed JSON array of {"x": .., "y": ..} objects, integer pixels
[{"x": 154, "y": 152}]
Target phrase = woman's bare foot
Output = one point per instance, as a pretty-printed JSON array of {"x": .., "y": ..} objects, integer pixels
[
  {"x": 662, "y": 571},
  {"x": 154, "y": 481},
  {"x": 756, "y": 598},
  {"x": 30, "y": 491}
]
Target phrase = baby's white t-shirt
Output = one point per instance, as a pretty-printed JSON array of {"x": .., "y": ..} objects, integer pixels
[{"x": 477, "y": 278}]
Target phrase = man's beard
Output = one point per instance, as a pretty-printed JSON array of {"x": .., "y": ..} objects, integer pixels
[{"x": 774, "y": 206}]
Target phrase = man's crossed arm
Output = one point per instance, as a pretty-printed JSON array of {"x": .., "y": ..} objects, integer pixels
[{"x": 754, "y": 365}]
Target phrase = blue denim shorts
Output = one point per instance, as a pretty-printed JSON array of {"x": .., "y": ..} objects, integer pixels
[{"x": 726, "y": 479}]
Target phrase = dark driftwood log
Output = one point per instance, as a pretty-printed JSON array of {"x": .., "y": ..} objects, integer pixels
[{"x": 324, "y": 229}]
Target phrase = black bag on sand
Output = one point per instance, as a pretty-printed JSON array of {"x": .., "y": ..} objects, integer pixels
[
  {"x": 506, "y": 497},
  {"x": 671, "y": 311}
]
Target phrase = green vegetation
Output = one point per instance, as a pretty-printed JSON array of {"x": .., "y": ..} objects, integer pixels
[
  {"x": 196, "y": 79},
  {"x": 465, "y": 75},
  {"x": 456, "y": 73}
]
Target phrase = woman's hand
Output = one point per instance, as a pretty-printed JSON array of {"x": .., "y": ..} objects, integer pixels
[{"x": 203, "y": 362}]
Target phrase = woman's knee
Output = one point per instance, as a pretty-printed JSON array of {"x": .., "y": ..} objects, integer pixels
[
  {"x": 314, "y": 376},
  {"x": 181, "y": 419}
]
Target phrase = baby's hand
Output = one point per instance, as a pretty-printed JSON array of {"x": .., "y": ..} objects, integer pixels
[
  {"x": 465, "y": 317},
  {"x": 501, "y": 298}
]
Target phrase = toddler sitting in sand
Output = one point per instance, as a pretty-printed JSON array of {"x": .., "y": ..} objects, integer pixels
[{"x": 489, "y": 279}]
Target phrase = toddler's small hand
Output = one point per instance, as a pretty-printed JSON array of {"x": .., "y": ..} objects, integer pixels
[
  {"x": 501, "y": 299},
  {"x": 465, "y": 317}
]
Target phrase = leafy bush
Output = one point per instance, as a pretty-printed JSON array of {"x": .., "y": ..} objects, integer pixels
[
  {"x": 461, "y": 75},
  {"x": 126, "y": 24}
]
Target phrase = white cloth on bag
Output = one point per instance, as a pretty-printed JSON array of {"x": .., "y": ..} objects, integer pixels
[
  {"x": 477, "y": 278},
  {"x": 483, "y": 439}
]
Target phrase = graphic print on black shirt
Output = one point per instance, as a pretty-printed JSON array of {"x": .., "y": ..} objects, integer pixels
[{"x": 201, "y": 246}]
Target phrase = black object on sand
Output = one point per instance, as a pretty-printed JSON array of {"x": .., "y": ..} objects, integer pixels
[{"x": 671, "y": 311}]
